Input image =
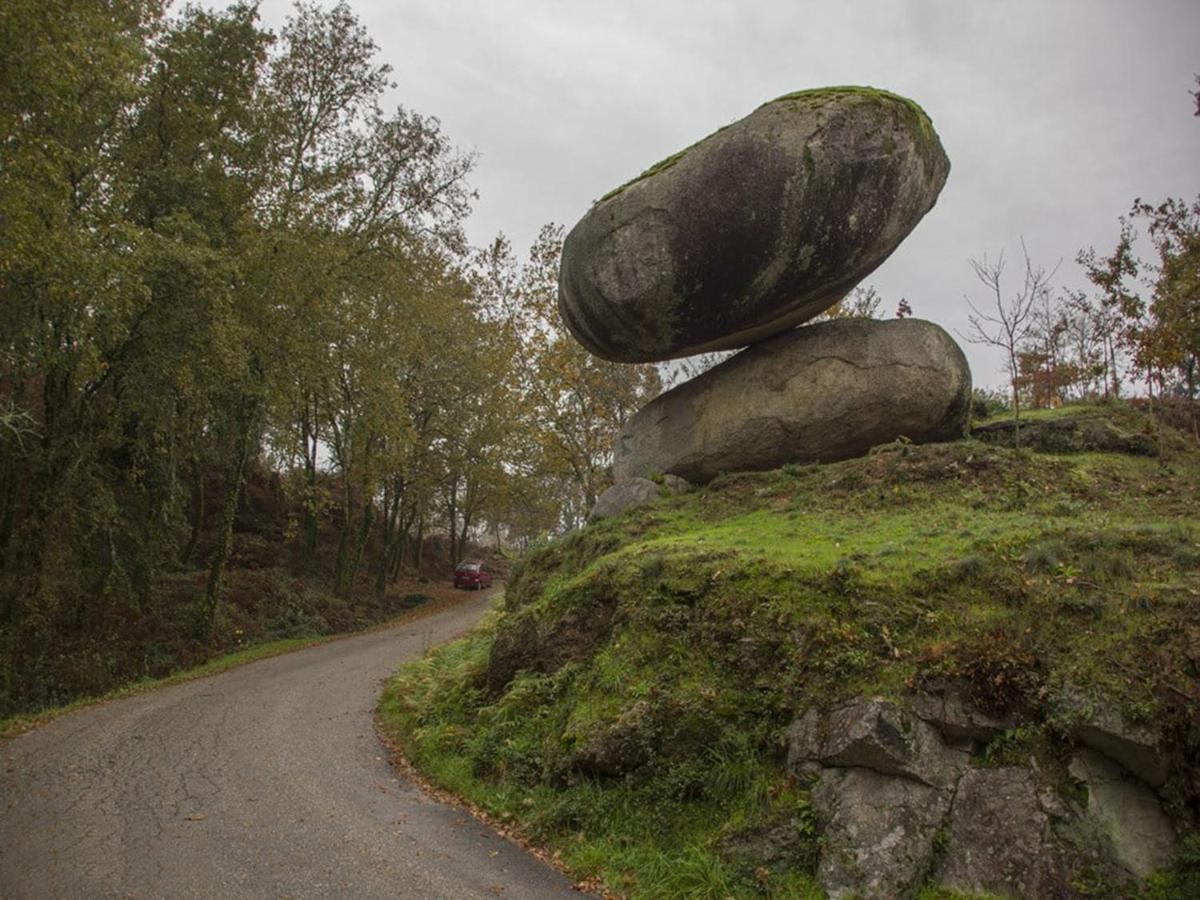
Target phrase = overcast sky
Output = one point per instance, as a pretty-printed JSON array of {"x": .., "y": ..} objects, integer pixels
[{"x": 1056, "y": 114}]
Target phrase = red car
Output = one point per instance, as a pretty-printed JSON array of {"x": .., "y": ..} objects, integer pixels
[{"x": 472, "y": 574}]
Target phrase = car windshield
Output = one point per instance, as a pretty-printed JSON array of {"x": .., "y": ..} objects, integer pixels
[{"x": 469, "y": 567}]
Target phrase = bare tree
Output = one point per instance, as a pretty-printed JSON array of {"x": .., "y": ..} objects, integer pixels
[{"x": 1010, "y": 322}]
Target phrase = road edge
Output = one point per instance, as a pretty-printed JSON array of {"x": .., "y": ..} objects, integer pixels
[{"x": 20, "y": 724}]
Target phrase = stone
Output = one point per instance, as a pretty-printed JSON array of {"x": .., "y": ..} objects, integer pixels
[
  {"x": 875, "y": 734},
  {"x": 820, "y": 393},
  {"x": 753, "y": 230},
  {"x": 805, "y": 739},
  {"x": 1068, "y": 434},
  {"x": 673, "y": 484},
  {"x": 1137, "y": 749},
  {"x": 783, "y": 843},
  {"x": 527, "y": 641},
  {"x": 999, "y": 839},
  {"x": 1128, "y": 812},
  {"x": 878, "y": 735},
  {"x": 624, "y": 495},
  {"x": 621, "y": 746},
  {"x": 878, "y": 832},
  {"x": 946, "y": 706},
  {"x": 515, "y": 648}
]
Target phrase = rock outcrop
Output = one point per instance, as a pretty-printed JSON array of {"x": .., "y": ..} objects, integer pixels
[
  {"x": 754, "y": 229},
  {"x": 820, "y": 393},
  {"x": 1127, "y": 812},
  {"x": 1068, "y": 434},
  {"x": 1000, "y": 839},
  {"x": 624, "y": 495},
  {"x": 899, "y": 807}
]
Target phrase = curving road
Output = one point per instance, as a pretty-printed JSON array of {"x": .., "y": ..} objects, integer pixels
[{"x": 265, "y": 781}]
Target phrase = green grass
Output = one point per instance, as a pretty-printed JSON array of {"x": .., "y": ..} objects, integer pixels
[{"x": 666, "y": 651}]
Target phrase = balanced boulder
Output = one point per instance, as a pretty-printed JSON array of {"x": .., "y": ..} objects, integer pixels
[
  {"x": 753, "y": 230},
  {"x": 819, "y": 393}
]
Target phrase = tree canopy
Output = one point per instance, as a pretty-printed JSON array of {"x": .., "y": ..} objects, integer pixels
[{"x": 221, "y": 253}]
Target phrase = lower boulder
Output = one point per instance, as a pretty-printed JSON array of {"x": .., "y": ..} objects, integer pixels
[{"x": 816, "y": 394}]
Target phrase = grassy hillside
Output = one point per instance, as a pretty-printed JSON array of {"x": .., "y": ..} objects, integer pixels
[{"x": 627, "y": 707}]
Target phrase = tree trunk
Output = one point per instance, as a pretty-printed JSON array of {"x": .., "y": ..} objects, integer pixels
[
  {"x": 345, "y": 585},
  {"x": 403, "y": 536},
  {"x": 343, "y": 552},
  {"x": 308, "y": 433},
  {"x": 419, "y": 550},
  {"x": 221, "y": 552},
  {"x": 8, "y": 509},
  {"x": 198, "y": 509},
  {"x": 1191, "y": 396},
  {"x": 1012, "y": 361},
  {"x": 452, "y": 508},
  {"x": 383, "y": 564},
  {"x": 468, "y": 514}
]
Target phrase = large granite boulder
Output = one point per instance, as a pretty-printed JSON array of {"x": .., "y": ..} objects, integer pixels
[
  {"x": 754, "y": 229},
  {"x": 820, "y": 393}
]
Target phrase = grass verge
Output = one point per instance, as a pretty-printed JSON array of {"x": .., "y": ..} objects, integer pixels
[{"x": 12, "y": 726}]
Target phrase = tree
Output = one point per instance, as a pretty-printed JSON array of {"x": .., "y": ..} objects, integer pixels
[
  {"x": 1008, "y": 321},
  {"x": 1161, "y": 329},
  {"x": 70, "y": 292},
  {"x": 1046, "y": 371},
  {"x": 576, "y": 402},
  {"x": 201, "y": 227}
]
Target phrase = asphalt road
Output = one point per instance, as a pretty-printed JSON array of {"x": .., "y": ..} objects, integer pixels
[{"x": 265, "y": 781}]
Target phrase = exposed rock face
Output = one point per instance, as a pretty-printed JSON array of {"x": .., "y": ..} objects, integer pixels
[
  {"x": 823, "y": 392},
  {"x": 620, "y": 746},
  {"x": 1069, "y": 434},
  {"x": 878, "y": 832},
  {"x": 754, "y": 229},
  {"x": 522, "y": 644},
  {"x": 1000, "y": 840},
  {"x": 624, "y": 495},
  {"x": 1128, "y": 813},
  {"x": 875, "y": 734},
  {"x": 1136, "y": 748},
  {"x": 779, "y": 844},
  {"x": 946, "y": 706},
  {"x": 896, "y": 807}
]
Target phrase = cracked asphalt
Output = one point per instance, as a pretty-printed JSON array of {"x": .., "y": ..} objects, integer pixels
[{"x": 265, "y": 781}]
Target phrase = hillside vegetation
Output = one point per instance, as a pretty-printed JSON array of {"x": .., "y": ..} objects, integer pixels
[{"x": 628, "y": 706}]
